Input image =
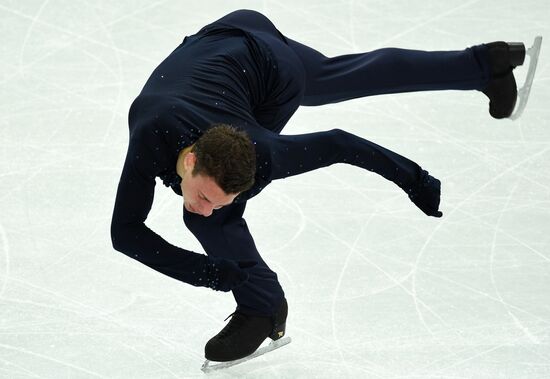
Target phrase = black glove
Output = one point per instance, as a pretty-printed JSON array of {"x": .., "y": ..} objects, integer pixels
[
  {"x": 426, "y": 193},
  {"x": 225, "y": 274}
]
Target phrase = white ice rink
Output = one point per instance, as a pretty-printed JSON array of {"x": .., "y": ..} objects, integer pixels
[{"x": 375, "y": 288}]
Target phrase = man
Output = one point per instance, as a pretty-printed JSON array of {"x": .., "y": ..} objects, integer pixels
[{"x": 208, "y": 123}]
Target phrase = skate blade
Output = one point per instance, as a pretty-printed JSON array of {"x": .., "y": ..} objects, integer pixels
[
  {"x": 523, "y": 93},
  {"x": 273, "y": 345}
]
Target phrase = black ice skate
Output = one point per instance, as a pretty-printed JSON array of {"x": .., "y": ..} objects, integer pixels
[
  {"x": 239, "y": 340},
  {"x": 502, "y": 90}
]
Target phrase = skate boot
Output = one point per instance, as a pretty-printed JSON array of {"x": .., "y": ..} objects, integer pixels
[
  {"x": 244, "y": 334},
  {"x": 502, "y": 90}
]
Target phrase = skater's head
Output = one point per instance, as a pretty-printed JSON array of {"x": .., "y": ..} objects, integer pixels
[{"x": 218, "y": 166}]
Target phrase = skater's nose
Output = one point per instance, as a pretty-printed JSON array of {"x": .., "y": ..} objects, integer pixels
[
  {"x": 206, "y": 209},
  {"x": 207, "y": 213}
]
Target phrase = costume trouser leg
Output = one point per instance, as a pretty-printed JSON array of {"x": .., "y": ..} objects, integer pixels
[
  {"x": 225, "y": 234},
  {"x": 389, "y": 70}
]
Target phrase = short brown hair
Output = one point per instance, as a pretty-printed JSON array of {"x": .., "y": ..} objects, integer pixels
[{"x": 228, "y": 156}]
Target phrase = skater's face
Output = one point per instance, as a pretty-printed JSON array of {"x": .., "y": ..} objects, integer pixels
[{"x": 201, "y": 194}]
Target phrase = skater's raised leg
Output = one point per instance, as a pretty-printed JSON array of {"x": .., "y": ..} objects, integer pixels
[
  {"x": 389, "y": 70},
  {"x": 487, "y": 68}
]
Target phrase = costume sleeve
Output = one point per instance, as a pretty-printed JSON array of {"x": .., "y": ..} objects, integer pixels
[
  {"x": 133, "y": 202},
  {"x": 296, "y": 154},
  {"x": 293, "y": 155}
]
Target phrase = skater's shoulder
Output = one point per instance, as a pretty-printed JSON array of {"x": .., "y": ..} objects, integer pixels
[{"x": 149, "y": 107}]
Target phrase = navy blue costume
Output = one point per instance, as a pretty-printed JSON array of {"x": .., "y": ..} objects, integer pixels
[{"x": 240, "y": 70}]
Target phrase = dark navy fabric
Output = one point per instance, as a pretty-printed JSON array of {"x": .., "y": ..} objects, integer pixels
[{"x": 241, "y": 70}]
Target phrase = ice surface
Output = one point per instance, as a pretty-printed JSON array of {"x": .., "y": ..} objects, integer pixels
[{"x": 375, "y": 288}]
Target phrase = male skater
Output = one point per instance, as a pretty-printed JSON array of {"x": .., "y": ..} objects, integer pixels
[{"x": 208, "y": 123}]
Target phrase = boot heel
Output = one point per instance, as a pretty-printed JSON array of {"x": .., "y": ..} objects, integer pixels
[
  {"x": 278, "y": 332},
  {"x": 517, "y": 53}
]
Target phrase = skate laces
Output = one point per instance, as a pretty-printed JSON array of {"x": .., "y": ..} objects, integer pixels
[{"x": 237, "y": 320}]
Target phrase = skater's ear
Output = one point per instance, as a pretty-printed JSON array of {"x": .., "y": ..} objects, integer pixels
[{"x": 189, "y": 161}]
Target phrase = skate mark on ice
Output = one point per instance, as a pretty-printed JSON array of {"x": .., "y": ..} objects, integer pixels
[
  {"x": 442, "y": 135},
  {"x": 91, "y": 312},
  {"x": 466, "y": 287},
  {"x": 419, "y": 25},
  {"x": 6, "y": 249},
  {"x": 517, "y": 322},
  {"x": 148, "y": 357},
  {"x": 50, "y": 359},
  {"x": 77, "y": 36},
  {"x": 448, "y": 216},
  {"x": 351, "y": 250},
  {"x": 464, "y": 146},
  {"x": 39, "y": 170},
  {"x": 379, "y": 371},
  {"x": 487, "y": 295},
  {"x": 398, "y": 283},
  {"x": 313, "y": 20},
  {"x": 13, "y": 372},
  {"x": 337, "y": 238},
  {"x": 288, "y": 201},
  {"x": 30, "y": 28}
]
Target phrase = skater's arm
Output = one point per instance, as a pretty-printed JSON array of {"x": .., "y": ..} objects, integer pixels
[
  {"x": 296, "y": 154},
  {"x": 132, "y": 237}
]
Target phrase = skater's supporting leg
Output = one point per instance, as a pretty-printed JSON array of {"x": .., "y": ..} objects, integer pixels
[
  {"x": 390, "y": 70},
  {"x": 225, "y": 234}
]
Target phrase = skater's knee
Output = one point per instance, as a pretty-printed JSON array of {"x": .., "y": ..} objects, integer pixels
[{"x": 394, "y": 59}]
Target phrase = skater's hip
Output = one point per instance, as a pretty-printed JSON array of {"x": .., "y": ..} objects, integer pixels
[{"x": 249, "y": 21}]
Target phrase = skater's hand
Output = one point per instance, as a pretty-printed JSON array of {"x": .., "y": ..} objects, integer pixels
[
  {"x": 426, "y": 194},
  {"x": 225, "y": 274}
]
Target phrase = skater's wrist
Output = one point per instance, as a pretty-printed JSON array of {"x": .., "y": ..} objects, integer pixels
[{"x": 225, "y": 274}]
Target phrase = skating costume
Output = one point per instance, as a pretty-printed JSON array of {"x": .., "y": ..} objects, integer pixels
[{"x": 240, "y": 70}]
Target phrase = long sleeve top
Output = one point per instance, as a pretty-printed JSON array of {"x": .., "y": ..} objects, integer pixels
[{"x": 220, "y": 75}]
